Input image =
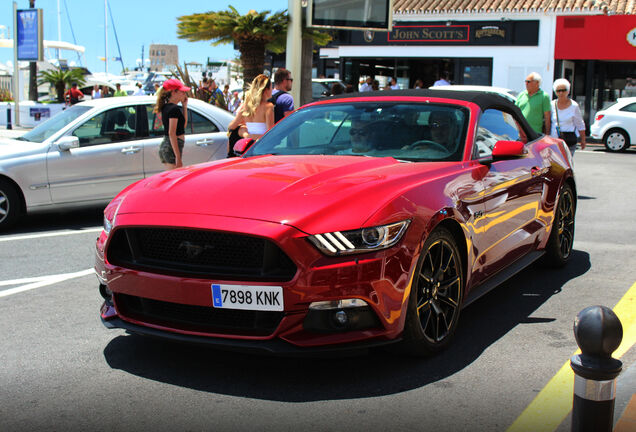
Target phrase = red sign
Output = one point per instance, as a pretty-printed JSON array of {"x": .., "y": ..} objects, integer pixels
[{"x": 598, "y": 37}]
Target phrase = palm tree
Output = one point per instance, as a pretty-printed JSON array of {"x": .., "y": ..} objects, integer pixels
[
  {"x": 60, "y": 79},
  {"x": 253, "y": 33}
]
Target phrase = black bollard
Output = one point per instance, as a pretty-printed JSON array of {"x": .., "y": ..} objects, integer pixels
[
  {"x": 9, "y": 117},
  {"x": 598, "y": 333}
]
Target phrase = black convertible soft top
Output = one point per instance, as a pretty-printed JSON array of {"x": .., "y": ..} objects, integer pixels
[{"x": 483, "y": 99}]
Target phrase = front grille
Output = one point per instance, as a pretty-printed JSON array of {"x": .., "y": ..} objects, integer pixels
[
  {"x": 199, "y": 253},
  {"x": 198, "y": 318}
]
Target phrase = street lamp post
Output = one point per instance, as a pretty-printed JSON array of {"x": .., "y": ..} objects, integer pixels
[{"x": 294, "y": 46}]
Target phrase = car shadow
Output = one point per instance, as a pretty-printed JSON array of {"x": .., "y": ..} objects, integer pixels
[
  {"x": 381, "y": 372},
  {"x": 77, "y": 219}
]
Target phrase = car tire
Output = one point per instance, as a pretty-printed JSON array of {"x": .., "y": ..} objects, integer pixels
[
  {"x": 436, "y": 296},
  {"x": 10, "y": 207},
  {"x": 561, "y": 241},
  {"x": 616, "y": 140}
]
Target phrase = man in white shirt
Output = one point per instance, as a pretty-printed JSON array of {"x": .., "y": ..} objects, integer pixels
[
  {"x": 366, "y": 86},
  {"x": 443, "y": 80},
  {"x": 140, "y": 91}
]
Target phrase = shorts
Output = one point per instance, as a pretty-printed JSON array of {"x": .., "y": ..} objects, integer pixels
[{"x": 166, "y": 154}]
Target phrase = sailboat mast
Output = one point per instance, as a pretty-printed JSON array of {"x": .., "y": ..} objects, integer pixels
[
  {"x": 59, "y": 28},
  {"x": 106, "y": 34}
]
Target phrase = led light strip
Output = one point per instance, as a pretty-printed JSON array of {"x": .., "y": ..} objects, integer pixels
[{"x": 329, "y": 240}]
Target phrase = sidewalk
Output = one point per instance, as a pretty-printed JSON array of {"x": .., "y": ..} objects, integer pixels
[{"x": 12, "y": 133}]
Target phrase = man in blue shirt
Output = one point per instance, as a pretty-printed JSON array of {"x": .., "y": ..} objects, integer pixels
[
  {"x": 216, "y": 95},
  {"x": 283, "y": 101}
]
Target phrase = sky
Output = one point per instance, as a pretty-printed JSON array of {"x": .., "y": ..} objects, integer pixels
[{"x": 137, "y": 22}]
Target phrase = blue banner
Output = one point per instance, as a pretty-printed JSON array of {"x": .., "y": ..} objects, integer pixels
[{"x": 29, "y": 37}]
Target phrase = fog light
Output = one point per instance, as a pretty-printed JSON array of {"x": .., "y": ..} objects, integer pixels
[
  {"x": 341, "y": 318},
  {"x": 338, "y": 304},
  {"x": 106, "y": 293}
]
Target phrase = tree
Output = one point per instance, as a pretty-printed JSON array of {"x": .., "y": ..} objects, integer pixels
[
  {"x": 61, "y": 79},
  {"x": 253, "y": 32}
]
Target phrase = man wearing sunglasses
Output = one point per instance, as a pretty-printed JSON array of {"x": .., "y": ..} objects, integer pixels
[
  {"x": 359, "y": 137},
  {"x": 534, "y": 103},
  {"x": 283, "y": 101}
]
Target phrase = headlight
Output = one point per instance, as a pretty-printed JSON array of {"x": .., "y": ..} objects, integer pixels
[
  {"x": 110, "y": 213},
  {"x": 108, "y": 224},
  {"x": 361, "y": 240}
]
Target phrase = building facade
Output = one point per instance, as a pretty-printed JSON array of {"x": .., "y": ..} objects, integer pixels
[
  {"x": 496, "y": 43},
  {"x": 163, "y": 56}
]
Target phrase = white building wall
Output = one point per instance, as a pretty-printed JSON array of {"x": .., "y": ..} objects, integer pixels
[{"x": 510, "y": 64}]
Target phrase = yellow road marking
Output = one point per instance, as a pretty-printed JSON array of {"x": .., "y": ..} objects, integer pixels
[{"x": 554, "y": 402}]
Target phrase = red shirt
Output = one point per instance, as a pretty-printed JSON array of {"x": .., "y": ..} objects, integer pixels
[{"x": 73, "y": 95}]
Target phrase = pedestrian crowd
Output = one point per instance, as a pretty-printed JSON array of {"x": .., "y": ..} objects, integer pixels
[
  {"x": 559, "y": 118},
  {"x": 265, "y": 103}
]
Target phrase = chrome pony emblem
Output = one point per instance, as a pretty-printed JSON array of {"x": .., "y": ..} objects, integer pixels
[{"x": 193, "y": 250}]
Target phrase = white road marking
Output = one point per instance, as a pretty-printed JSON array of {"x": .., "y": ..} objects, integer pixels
[
  {"x": 50, "y": 234},
  {"x": 42, "y": 281}
]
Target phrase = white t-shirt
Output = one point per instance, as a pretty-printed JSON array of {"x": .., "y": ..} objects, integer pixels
[{"x": 570, "y": 119}]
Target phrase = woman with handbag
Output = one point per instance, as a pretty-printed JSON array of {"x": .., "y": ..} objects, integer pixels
[{"x": 566, "y": 120}]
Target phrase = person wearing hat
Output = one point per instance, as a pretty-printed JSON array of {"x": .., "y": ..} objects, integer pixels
[{"x": 174, "y": 119}]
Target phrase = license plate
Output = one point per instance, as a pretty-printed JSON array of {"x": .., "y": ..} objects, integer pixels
[{"x": 265, "y": 298}]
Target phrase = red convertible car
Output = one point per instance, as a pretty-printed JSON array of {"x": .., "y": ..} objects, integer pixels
[{"x": 354, "y": 222}]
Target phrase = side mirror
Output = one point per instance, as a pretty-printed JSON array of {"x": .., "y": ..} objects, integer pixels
[
  {"x": 508, "y": 149},
  {"x": 68, "y": 142},
  {"x": 242, "y": 145}
]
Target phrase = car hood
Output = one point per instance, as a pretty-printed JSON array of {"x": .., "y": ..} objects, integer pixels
[
  {"x": 10, "y": 148},
  {"x": 310, "y": 193}
]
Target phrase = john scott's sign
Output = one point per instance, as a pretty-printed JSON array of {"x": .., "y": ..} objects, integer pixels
[{"x": 440, "y": 33}]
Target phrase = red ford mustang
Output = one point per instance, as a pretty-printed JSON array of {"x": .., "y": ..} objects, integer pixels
[{"x": 356, "y": 221}]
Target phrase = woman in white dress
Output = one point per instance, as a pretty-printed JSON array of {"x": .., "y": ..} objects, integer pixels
[
  {"x": 566, "y": 120},
  {"x": 255, "y": 116}
]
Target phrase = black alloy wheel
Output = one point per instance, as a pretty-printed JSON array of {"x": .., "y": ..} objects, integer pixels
[
  {"x": 436, "y": 295},
  {"x": 561, "y": 241}
]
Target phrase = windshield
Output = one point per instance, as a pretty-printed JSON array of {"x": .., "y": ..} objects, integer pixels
[
  {"x": 44, "y": 130},
  {"x": 405, "y": 131}
]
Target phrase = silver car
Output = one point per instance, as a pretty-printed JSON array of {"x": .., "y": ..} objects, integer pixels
[{"x": 89, "y": 152}]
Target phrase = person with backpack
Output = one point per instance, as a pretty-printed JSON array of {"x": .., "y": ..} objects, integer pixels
[
  {"x": 73, "y": 95},
  {"x": 283, "y": 101}
]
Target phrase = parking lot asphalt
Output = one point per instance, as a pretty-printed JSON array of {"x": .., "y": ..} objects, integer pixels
[{"x": 625, "y": 403}]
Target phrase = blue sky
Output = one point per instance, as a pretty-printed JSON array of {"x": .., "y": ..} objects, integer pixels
[{"x": 138, "y": 23}]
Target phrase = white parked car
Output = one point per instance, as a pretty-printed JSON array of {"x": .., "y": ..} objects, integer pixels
[
  {"x": 616, "y": 125},
  {"x": 321, "y": 87},
  {"x": 89, "y": 152}
]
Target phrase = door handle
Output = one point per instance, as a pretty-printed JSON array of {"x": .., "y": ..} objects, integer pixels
[
  {"x": 131, "y": 150},
  {"x": 205, "y": 142}
]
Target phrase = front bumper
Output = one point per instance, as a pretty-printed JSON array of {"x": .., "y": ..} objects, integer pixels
[
  {"x": 381, "y": 279},
  {"x": 271, "y": 347}
]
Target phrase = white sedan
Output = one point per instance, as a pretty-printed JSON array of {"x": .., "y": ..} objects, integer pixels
[
  {"x": 616, "y": 125},
  {"x": 86, "y": 154}
]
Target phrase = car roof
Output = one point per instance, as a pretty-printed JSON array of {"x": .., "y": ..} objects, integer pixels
[
  {"x": 128, "y": 100},
  {"x": 483, "y": 99},
  {"x": 461, "y": 87},
  {"x": 326, "y": 80}
]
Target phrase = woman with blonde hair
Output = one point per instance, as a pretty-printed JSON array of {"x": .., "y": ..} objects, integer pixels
[
  {"x": 255, "y": 116},
  {"x": 174, "y": 119},
  {"x": 566, "y": 120}
]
